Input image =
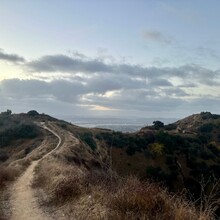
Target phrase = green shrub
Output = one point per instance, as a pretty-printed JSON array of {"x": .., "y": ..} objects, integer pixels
[
  {"x": 170, "y": 127},
  {"x": 157, "y": 174},
  {"x": 88, "y": 139},
  {"x": 32, "y": 113},
  {"x": 214, "y": 149},
  {"x": 206, "y": 128},
  {"x": 131, "y": 150},
  {"x": 23, "y": 130}
]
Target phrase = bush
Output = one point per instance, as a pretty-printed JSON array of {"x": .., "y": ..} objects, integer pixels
[
  {"x": 143, "y": 200},
  {"x": 214, "y": 149},
  {"x": 170, "y": 160},
  {"x": 170, "y": 127},
  {"x": 157, "y": 174},
  {"x": 23, "y": 130},
  {"x": 3, "y": 156},
  {"x": 140, "y": 199},
  {"x": 7, "y": 113},
  {"x": 32, "y": 113},
  {"x": 67, "y": 188},
  {"x": 158, "y": 124},
  {"x": 88, "y": 139},
  {"x": 207, "y": 155},
  {"x": 206, "y": 128},
  {"x": 6, "y": 175},
  {"x": 131, "y": 150},
  {"x": 156, "y": 149}
]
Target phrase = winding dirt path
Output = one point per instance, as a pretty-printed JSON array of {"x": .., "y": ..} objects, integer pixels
[{"x": 23, "y": 202}]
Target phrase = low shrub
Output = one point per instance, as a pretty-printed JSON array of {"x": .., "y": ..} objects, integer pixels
[
  {"x": 7, "y": 174},
  {"x": 68, "y": 187},
  {"x": 145, "y": 200},
  {"x": 88, "y": 139},
  {"x": 134, "y": 197}
]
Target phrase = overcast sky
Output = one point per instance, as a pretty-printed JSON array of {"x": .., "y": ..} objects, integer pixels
[{"x": 143, "y": 58}]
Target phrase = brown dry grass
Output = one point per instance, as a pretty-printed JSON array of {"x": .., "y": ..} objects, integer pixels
[
  {"x": 64, "y": 181},
  {"x": 145, "y": 200},
  {"x": 96, "y": 194},
  {"x": 7, "y": 174},
  {"x": 68, "y": 187},
  {"x": 87, "y": 192}
]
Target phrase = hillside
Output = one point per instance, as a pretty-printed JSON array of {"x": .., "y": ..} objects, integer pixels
[
  {"x": 179, "y": 154},
  {"x": 69, "y": 172}
]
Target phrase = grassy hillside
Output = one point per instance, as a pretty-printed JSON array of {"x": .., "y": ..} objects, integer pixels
[
  {"x": 82, "y": 181},
  {"x": 102, "y": 174},
  {"x": 179, "y": 154}
]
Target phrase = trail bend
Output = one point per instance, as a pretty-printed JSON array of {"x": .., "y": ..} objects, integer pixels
[{"x": 24, "y": 203}]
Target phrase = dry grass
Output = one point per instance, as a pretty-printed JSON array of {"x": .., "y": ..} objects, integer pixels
[
  {"x": 94, "y": 195},
  {"x": 7, "y": 174},
  {"x": 87, "y": 192},
  {"x": 136, "y": 199},
  {"x": 68, "y": 187},
  {"x": 144, "y": 200},
  {"x": 64, "y": 183},
  {"x": 210, "y": 197}
]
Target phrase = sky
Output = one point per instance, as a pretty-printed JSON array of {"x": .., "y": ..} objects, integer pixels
[{"x": 122, "y": 58}]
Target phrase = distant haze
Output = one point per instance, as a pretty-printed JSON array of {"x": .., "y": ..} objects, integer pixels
[{"x": 123, "y": 124}]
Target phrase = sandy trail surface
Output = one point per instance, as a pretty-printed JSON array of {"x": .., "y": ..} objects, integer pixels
[{"x": 23, "y": 201}]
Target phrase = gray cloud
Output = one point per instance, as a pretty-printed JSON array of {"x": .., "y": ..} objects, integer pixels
[
  {"x": 127, "y": 95},
  {"x": 61, "y": 90},
  {"x": 134, "y": 99},
  {"x": 63, "y": 63},
  {"x": 160, "y": 82},
  {"x": 156, "y": 36},
  {"x": 176, "y": 92},
  {"x": 10, "y": 57},
  {"x": 67, "y": 64},
  {"x": 80, "y": 81}
]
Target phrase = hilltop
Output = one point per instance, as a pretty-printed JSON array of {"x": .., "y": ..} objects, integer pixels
[{"x": 72, "y": 172}]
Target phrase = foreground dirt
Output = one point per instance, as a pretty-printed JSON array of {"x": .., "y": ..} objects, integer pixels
[{"x": 24, "y": 204}]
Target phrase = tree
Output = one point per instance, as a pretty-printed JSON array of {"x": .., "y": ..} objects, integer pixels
[
  {"x": 8, "y": 112},
  {"x": 33, "y": 113},
  {"x": 158, "y": 124}
]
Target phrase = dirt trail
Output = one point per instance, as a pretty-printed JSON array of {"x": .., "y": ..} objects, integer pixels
[{"x": 23, "y": 202}]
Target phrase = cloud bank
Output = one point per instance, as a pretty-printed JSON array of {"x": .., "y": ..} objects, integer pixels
[
  {"x": 89, "y": 85},
  {"x": 10, "y": 57}
]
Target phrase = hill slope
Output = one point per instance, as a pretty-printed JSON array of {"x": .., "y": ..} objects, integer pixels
[{"x": 88, "y": 169}]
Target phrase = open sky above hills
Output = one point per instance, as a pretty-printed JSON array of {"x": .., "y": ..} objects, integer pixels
[{"x": 149, "y": 58}]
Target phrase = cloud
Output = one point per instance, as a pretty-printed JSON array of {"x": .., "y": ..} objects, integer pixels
[
  {"x": 63, "y": 63},
  {"x": 84, "y": 84},
  {"x": 156, "y": 36},
  {"x": 61, "y": 90},
  {"x": 10, "y": 57},
  {"x": 207, "y": 52},
  {"x": 99, "y": 69}
]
